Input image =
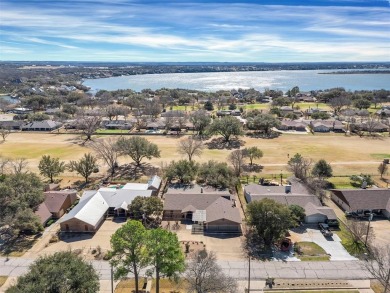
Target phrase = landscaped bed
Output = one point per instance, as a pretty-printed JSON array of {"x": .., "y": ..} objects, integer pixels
[{"x": 310, "y": 251}]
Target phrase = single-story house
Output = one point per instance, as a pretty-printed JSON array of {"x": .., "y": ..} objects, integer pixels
[
  {"x": 383, "y": 112},
  {"x": 45, "y": 125},
  {"x": 314, "y": 210},
  {"x": 212, "y": 212},
  {"x": 174, "y": 113},
  {"x": 355, "y": 200},
  {"x": 95, "y": 205},
  {"x": 59, "y": 201},
  {"x": 87, "y": 215},
  {"x": 375, "y": 126},
  {"x": 12, "y": 124},
  {"x": 43, "y": 213},
  {"x": 327, "y": 126},
  {"x": 117, "y": 124},
  {"x": 21, "y": 111},
  {"x": 292, "y": 125}
]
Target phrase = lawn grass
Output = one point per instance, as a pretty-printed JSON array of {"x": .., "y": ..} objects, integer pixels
[
  {"x": 166, "y": 286},
  {"x": 341, "y": 182},
  {"x": 347, "y": 155},
  {"x": 316, "y": 291},
  {"x": 241, "y": 196},
  {"x": 310, "y": 251},
  {"x": 380, "y": 156},
  {"x": 111, "y": 131},
  {"x": 19, "y": 246},
  {"x": 2, "y": 280}
]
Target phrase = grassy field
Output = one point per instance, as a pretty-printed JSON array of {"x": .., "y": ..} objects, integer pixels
[
  {"x": 341, "y": 182},
  {"x": 347, "y": 155}
]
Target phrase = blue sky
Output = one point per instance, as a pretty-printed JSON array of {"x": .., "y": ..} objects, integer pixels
[{"x": 224, "y": 31}]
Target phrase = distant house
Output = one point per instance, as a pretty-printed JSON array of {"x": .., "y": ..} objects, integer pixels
[
  {"x": 45, "y": 125},
  {"x": 373, "y": 126},
  {"x": 209, "y": 210},
  {"x": 174, "y": 113},
  {"x": 314, "y": 210},
  {"x": 327, "y": 126},
  {"x": 12, "y": 124},
  {"x": 117, "y": 124},
  {"x": 292, "y": 125},
  {"x": 383, "y": 112},
  {"x": 59, "y": 201},
  {"x": 356, "y": 200},
  {"x": 21, "y": 111}
]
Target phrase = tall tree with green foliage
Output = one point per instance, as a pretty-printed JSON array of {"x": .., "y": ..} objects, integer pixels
[
  {"x": 322, "y": 170},
  {"x": 263, "y": 123},
  {"x": 360, "y": 180},
  {"x": 20, "y": 196},
  {"x": 216, "y": 174},
  {"x": 143, "y": 207},
  {"x": 183, "y": 170},
  {"x": 165, "y": 254},
  {"x": 85, "y": 166},
  {"x": 297, "y": 212},
  {"x": 227, "y": 126},
  {"x": 128, "y": 253},
  {"x": 61, "y": 272},
  {"x": 50, "y": 167},
  {"x": 253, "y": 153},
  {"x": 200, "y": 119},
  {"x": 270, "y": 220},
  {"x": 137, "y": 148}
]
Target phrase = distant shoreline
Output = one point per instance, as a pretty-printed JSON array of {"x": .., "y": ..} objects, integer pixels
[{"x": 358, "y": 72}]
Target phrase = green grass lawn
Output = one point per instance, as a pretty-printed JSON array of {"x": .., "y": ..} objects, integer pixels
[
  {"x": 111, "y": 131},
  {"x": 310, "y": 251},
  {"x": 341, "y": 182},
  {"x": 380, "y": 156}
]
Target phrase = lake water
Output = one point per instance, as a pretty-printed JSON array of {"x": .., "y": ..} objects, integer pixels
[{"x": 282, "y": 80}]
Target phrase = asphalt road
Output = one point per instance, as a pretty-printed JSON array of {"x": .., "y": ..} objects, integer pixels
[{"x": 340, "y": 270}]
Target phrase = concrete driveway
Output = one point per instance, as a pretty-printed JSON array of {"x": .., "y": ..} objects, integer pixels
[
  {"x": 332, "y": 245},
  {"x": 381, "y": 230}
]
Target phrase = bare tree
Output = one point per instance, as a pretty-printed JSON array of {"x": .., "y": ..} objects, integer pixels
[
  {"x": 299, "y": 166},
  {"x": 190, "y": 147},
  {"x": 4, "y": 132},
  {"x": 237, "y": 158},
  {"x": 382, "y": 168},
  {"x": 339, "y": 102},
  {"x": 19, "y": 166},
  {"x": 203, "y": 274},
  {"x": 107, "y": 150},
  {"x": 88, "y": 125},
  {"x": 358, "y": 230},
  {"x": 4, "y": 164},
  {"x": 378, "y": 264}
]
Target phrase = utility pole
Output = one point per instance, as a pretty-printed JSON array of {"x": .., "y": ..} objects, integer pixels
[
  {"x": 368, "y": 228},
  {"x": 112, "y": 280},
  {"x": 249, "y": 275}
]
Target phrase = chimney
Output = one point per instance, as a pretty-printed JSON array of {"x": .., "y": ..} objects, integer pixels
[
  {"x": 364, "y": 184},
  {"x": 287, "y": 189},
  {"x": 201, "y": 190}
]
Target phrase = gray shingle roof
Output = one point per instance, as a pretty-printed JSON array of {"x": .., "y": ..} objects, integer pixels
[
  {"x": 360, "y": 199},
  {"x": 217, "y": 207}
]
